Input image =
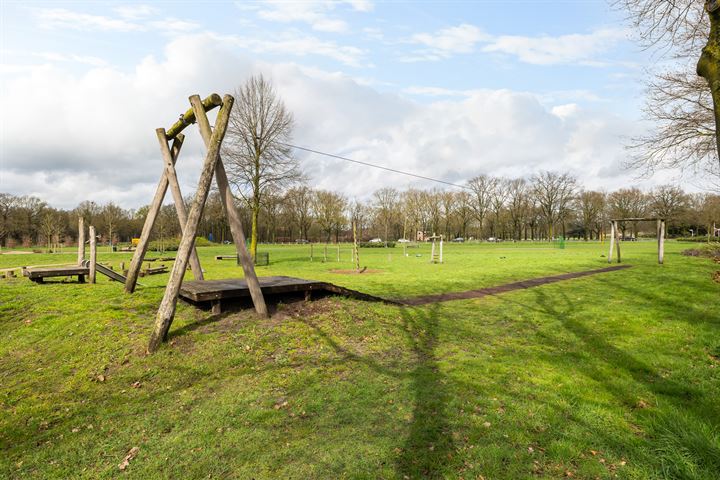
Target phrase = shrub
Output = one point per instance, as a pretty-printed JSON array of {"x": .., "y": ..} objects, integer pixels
[{"x": 376, "y": 244}]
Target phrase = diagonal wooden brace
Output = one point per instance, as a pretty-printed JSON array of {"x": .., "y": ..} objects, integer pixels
[
  {"x": 231, "y": 213},
  {"x": 142, "y": 246},
  {"x": 166, "y": 312},
  {"x": 180, "y": 208}
]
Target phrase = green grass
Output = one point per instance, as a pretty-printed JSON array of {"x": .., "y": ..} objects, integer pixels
[{"x": 610, "y": 376}]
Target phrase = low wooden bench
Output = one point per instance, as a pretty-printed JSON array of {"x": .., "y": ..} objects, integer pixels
[{"x": 38, "y": 274}]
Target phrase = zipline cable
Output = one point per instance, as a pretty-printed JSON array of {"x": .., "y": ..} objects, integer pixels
[{"x": 375, "y": 166}]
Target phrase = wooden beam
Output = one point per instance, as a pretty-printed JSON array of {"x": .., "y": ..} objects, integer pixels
[
  {"x": 612, "y": 241},
  {"x": 232, "y": 214},
  {"x": 166, "y": 312},
  {"x": 81, "y": 240},
  {"x": 153, "y": 211},
  {"x": 180, "y": 208},
  {"x": 189, "y": 117},
  {"x": 93, "y": 254}
]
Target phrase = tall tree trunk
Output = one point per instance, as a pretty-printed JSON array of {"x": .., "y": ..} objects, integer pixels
[{"x": 708, "y": 66}]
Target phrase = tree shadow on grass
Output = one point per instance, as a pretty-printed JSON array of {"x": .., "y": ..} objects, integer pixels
[
  {"x": 428, "y": 446},
  {"x": 681, "y": 426}
]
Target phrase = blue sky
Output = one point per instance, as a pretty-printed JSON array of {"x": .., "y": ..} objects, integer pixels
[{"x": 447, "y": 89}]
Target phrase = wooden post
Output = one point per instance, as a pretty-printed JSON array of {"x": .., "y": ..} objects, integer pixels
[
  {"x": 661, "y": 243},
  {"x": 93, "y": 254},
  {"x": 338, "y": 253},
  {"x": 311, "y": 252},
  {"x": 142, "y": 246},
  {"x": 166, "y": 312},
  {"x": 231, "y": 212},
  {"x": 180, "y": 208},
  {"x": 81, "y": 240},
  {"x": 617, "y": 241},
  {"x": 432, "y": 251},
  {"x": 325, "y": 254},
  {"x": 612, "y": 241},
  {"x": 355, "y": 248},
  {"x": 441, "y": 249}
]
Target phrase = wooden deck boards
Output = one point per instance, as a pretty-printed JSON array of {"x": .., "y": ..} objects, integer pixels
[
  {"x": 37, "y": 274},
  {"x": 214, "y": 290}
]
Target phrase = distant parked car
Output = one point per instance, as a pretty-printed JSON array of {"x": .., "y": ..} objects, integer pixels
[
  {"x": 458, "y": 240},
  {"x": 375, "y": 240},
  {"x": 403, "y": 240},
  {"x": 301, "y": 240}
]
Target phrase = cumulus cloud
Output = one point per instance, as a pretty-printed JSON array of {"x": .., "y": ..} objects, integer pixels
[
  {"x": 91, "y": 136},
  {"x": 314, "y": 13},
  {"x": 547, "y": 50},
  {"x": 446, "y": 42}
]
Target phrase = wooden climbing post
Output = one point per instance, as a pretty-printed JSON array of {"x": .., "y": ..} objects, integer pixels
[
  {"x": 356, "y": 253},
  {"x": 93, "y": 255},
  {"x": 81, "y": 240},
  {"x": 612, "y": 241},
  {"x": 166, "y": 312},
  {"x": 617, "y": 241},
  {"x": 661, "y": 241}
]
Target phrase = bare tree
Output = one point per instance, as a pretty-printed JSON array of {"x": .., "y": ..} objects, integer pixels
[
  {"x": 628, "y": 203},
  {"x": 591, "y": 206},
  {"x": 518, "y": 205},
  {"x": 329, "y": 209},
  {"x": 668, "y": 202},
  {"x": 258, "y": 157},
  {"x": 554, "y": 193},
  {"x": 385, "y": 206},
  {"x": 111, "y": 215},
  {"x": 7, "y": 202},
  {"x": 299, "y": 201},
  {"x": 482, "y": 188},
  {"x": 680, "y": 104}
]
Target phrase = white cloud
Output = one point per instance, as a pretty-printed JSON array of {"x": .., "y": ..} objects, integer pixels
[
  {"x": 446, "y": 42},
  {"x": 564, "y": 49},
  {"x": 102, "y": 145},
  {"x": 315, "y": 13},
  {"x": 134, "y": 12},
  {"x": 62, "y": 18}
]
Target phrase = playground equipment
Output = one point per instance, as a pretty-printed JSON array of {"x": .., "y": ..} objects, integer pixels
[
  {"x": 189, "y": 221},
  {"x": 615, "y": 236},
  {"x": 436, "y": 254}
]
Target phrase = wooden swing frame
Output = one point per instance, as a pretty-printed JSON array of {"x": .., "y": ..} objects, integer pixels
[
  {"x": 615, "y": 236},
  {"x": 189, "y": 221}
]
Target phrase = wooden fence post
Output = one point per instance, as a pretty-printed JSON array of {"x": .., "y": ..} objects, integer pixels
[
  {"x": 93, "y": 254},
  {"x": 81, "y": 240}
]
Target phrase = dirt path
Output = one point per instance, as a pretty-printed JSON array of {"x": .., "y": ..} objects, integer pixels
[{"x": 508, "y": 287}]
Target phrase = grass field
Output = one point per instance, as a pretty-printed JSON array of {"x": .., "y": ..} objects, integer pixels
[{"x": 615, "y": 375}]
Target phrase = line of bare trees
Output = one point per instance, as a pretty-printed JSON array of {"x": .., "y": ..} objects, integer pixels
[{"x": 546, "y": 206}]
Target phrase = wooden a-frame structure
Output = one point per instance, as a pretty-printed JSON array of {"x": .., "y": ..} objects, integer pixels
[
  {"x": 189, "y": 221},
  {"x": 615, "y": 236}
]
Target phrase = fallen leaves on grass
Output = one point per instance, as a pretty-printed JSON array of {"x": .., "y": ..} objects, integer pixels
[{"x": 130, "y": 455}]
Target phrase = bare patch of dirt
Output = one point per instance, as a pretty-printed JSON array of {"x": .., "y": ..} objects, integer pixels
[{"x": 355, "y": 272}]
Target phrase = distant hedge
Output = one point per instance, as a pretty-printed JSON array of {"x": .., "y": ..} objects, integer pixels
[
  {"x": 699, "y": 239},
  {"x": 172, "y": 244},
  {"x": 376, "y": 244}
]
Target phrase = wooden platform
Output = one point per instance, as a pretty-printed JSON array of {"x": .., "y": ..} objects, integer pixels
[
  {"x": 213, "y": 291},
  {"x": 37, "y": 274}
]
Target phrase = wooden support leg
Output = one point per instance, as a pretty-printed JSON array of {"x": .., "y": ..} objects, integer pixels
[
  {"x": 308, "y": 295},
  {"x": 612, "y": 241},
  {"x": 617, "y": 242},
  {"x": 81, "y": 240},
  {"x": 233, "y": 216},
  {"x": 81, "y": 278},
  {"x": 166, "y": 312},
  {"x": 93, "y": 254},
  {"x": 180, "y": 208},
  {"x": 142, "y": 246},
  {"x": 216, "y": 307}
]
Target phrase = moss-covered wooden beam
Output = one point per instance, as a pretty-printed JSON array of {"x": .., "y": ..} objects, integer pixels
[
  {"x": 708, "y": 66},
  {"x": 188, "y": 118}
]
